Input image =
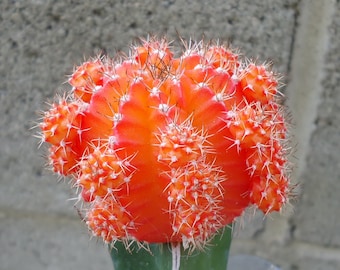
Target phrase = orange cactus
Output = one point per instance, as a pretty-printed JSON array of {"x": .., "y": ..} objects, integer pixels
[{"x": 170, "y": 149}]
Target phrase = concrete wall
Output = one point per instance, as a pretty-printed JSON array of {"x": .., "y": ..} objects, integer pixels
[{"x": 40, "y": 42}]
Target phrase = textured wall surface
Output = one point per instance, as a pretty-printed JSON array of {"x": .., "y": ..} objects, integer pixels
[{"x": 41, "y": 41}]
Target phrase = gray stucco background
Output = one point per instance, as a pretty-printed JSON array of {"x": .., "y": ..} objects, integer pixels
[{"x": 41, "y": 41}]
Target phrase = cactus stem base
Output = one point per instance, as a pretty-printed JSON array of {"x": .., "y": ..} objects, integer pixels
[{"x": 172, "y": 256}]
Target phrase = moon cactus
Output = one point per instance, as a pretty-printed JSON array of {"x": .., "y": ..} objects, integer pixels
[{"x": 166, "y": 148}]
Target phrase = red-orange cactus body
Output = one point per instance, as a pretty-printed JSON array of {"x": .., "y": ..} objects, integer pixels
[{"x": 168, "y": 149}]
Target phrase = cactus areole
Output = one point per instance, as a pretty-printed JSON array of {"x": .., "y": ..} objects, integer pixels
[{"x": 170, "y": 149}]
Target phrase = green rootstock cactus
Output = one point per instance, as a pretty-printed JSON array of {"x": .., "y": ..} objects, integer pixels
[
  {"x": 170, "y": 149},
  {"x": 168, "y": 256}
]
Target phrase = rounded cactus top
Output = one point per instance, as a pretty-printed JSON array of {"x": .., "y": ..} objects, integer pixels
[{"x": 166, "y": 148}]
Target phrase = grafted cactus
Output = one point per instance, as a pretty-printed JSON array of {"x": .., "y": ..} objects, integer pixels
[{"x": 170, "y": 149}]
